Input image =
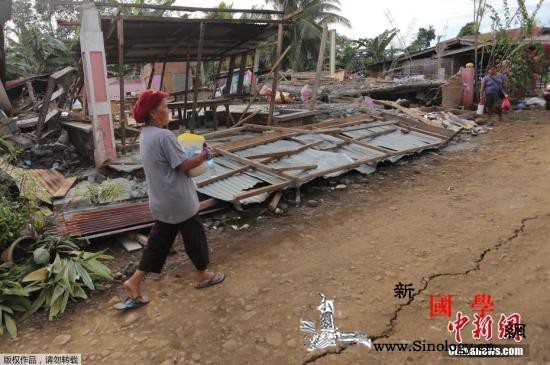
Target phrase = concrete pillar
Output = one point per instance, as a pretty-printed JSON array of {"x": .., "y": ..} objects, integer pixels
[{"x": 95, "y": 81}]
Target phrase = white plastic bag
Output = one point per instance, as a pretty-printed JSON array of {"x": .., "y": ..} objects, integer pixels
[{"x": 480, "y": 109}]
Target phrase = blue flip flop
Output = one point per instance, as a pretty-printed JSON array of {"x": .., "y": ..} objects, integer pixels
[
  {"x": 131, "y": 303},
  {"x": 216, "y": 278}
]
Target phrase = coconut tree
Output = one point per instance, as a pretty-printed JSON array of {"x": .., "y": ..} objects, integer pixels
[{"x": 305, "y": 33}]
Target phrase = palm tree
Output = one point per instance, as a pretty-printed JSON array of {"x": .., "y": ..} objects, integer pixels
[
  {"x": 375, "y": 49},
  {"x": 305, "y": 33}
]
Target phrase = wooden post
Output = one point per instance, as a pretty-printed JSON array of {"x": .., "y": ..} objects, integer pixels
[
  {"x": 149, "y": 83},
  {"x": 241, "y": 74},
  {"x": 215, "y": 77},
  {"x": 229, "y": 75},
  {"x": 2, "y": 55},
  {"x": 255, "y": 70},
  {"x": 162, "y": 75},
  {"x": 275, "y": 76},
  {"x": 320, "y": 60},
  {"x": 187, "y": 74},
  {"x": 120, "y": 36},
  {"x": 196, "y": 84},
  {"x": 215, "y": 107}
]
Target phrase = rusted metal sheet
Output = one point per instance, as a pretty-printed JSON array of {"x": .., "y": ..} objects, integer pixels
[
  {"x": 43, "y": 184},
  {"x": 112, "y": 218},
  {"x": 106, "y": 218}
]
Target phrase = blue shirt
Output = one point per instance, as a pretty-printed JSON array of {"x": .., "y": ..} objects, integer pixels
[{"x": 493, "y": 84}]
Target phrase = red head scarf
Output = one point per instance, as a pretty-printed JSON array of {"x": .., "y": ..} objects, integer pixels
[{"x": 147, "y": 102}]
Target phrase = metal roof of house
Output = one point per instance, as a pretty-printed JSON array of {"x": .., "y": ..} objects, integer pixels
[{"x": 150, "y": 38}]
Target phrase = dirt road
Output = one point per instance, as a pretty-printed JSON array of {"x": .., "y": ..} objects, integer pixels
[{"x": 466, "y": 221}]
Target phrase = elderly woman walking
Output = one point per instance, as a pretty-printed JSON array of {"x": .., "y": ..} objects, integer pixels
[{"x": 173, "y": 199}]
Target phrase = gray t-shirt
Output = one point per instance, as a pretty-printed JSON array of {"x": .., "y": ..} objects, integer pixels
[{"x": 172, "y": 194}]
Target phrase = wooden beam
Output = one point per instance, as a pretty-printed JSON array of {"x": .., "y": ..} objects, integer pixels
[
  {"x": 45, "y": 106},
  {"x": 171, "y": 8},
  {"x": 187, "y": 73},
  {"x": 257, "y": 92},
  {"x": 285, "y": 153},
  {"x": 298, "y": 167},
  {"x": 240, "y": 82},
  {"x": 246, "y": 119},
  {"x": 149, "y": 83},
  {"x": 196, "y": 84},
  {"x": 223, "y": 176},
  {"x": 275, "y": 201},
  {"x": 320, "y": 60},
  {"x": 216, "y": 77},
  {"x": 258, "y": 191},
  {"x": 162, "y": 75},
  {"x": 255, "y": 68},
  {"x": 275, "y": 75},
  {"x": 363, "y": 144},
  {"x": 256, "y": 165},
  {"x": 229, "y": 75}
]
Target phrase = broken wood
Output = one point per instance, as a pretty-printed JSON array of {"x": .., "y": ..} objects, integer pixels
[
  {"x": 297, "y": 167},
  {"x": 275, "y": 201}
]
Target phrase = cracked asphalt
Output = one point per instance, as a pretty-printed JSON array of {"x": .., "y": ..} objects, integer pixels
[{"x": 473, "y": 219}]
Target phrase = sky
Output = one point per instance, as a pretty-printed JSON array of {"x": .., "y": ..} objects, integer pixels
[{"x": 368, "y": 17}]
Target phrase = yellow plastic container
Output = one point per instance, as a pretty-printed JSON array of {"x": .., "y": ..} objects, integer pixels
[{"x": 192, "y": 145}]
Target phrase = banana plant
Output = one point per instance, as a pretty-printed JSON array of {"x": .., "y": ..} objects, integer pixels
[
  {"x": 66, "y": 277},
  {"x": 14, "y": 298}
]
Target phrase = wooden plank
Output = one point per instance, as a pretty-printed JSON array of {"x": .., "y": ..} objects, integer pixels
[
  {"x": 258, "y": 191},
  {"x": 279, "y": 154},
  {"x": 436, "y": 135},
  {"x": 257, "y": 165},
  {"x": 276, "y": 75},
  {"x": 354, "y": 141},
  {"x": 257, "y": 92},
  {"x": 63, "y": 72},
  {"x": 224, "y": 133},
  {"x": 275, "y": 201},
  {"x": 297, "y": 167},
  {"x": 242, "y": 68},
  {"x": 227, "y": 90},
  {"x": 196, "y": 84},
  {"x": 246, "y": 119},
  {"x": 255, "y": 141},
  {"x": 64, "y": 187},
  {"x": 223, "y": 176},
  {"x": 45, "y": 106},
  {"x": 296, "y": 115},
  {"x": 57, "y": 93}
]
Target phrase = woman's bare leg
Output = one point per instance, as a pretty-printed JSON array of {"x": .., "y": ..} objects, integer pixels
[{"x": 132, "y": 285}]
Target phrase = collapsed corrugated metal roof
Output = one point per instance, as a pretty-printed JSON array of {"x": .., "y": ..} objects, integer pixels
[{"x": 296, "y": 156}]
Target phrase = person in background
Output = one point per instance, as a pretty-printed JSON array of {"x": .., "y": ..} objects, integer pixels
[
  {"x": 173, "y": 199},
  {"x": 492, "y": 91}
]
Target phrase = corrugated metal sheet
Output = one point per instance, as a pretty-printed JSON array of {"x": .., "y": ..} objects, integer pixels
[{"x": 226, "y": 189}]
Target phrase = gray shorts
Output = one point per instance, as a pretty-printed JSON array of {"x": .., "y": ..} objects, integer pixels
[{"x": 492, "y": 100}]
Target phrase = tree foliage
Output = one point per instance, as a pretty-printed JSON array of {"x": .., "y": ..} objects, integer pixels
[
  {"x": 511, "y": 40},
  {"x": 305, "y": 33},
  {"x": 424, "y": 38},
  {"x": 469, "y": 28}
]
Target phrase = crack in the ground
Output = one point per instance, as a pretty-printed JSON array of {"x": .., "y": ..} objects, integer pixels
[{"x": 389, "y": 328}]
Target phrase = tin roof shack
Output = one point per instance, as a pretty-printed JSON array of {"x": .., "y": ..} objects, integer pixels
[{"x": 163, "y": 39}]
